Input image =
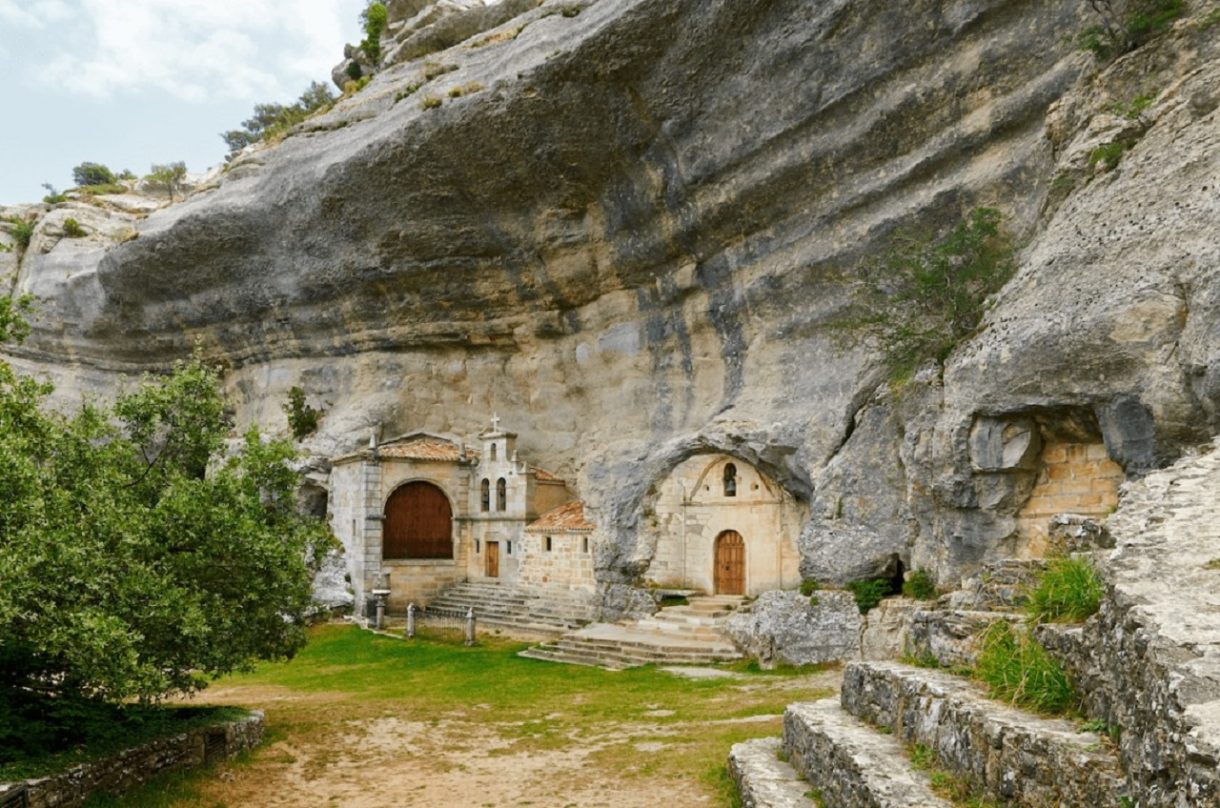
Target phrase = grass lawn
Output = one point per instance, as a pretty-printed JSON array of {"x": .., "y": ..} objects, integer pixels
[{"x": 359, "y": 719}]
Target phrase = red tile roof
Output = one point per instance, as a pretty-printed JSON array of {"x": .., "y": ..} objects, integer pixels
[
  {"x": 568, "y": 518},
  {"x": 422, "y": 447}
]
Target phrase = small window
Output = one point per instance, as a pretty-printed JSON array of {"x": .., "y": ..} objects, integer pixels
[
  {"x": 548, "y": 544},
  {"x": 730, "y": 480},
  {"x": 486, "y": 495},
  {"x": 510, "y": 548},
  {"x": 501, "y": 495},
  {"x": 491, "y": 453},
  {"x": 476, "y": 547},
  {"x": 586, "y": 544}
]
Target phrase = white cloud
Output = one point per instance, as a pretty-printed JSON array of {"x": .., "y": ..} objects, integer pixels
[
  {"x": 196, "y": 50},
  {"x": 47, "y": 12}
]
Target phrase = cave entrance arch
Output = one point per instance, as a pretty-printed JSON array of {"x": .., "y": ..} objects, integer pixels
[
  {"x": 418, "y": 523},
  {"x": 730, "y": 574}
]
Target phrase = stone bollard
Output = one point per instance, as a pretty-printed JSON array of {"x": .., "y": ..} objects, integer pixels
[
  {"x": 380, "y": 611},
  {"x": 410, "y": 621},
  {"x": 470, "y": 626}
]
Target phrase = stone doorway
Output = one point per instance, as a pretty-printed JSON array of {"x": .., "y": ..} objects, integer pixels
[
  {"x": 492, "y": 568},
  {"x": 730, "y": 563}
]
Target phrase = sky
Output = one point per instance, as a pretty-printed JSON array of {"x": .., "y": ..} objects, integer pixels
[{"x": 129, "y": 83}]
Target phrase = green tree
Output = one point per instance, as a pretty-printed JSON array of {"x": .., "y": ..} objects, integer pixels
[
  {"x": 926, "y": 294},
  {"x": 374, "y": 17},
  {"x": 137, "y": 559},
  {"x": 272, "y": 120},
  {"x": 92, "y": 174},
  {"x": 167, "y": 177},
  {"x": 302, "y": 418}
]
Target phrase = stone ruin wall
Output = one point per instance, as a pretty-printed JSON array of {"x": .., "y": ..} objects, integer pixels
[{"x": 1075, "y": 478}]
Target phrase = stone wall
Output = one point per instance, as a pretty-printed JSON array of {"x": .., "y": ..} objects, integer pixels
[
  {"x": 568, "y": 563},
  {"x": 133, "y": 767},
  {"x": 1077, "y": 478}
]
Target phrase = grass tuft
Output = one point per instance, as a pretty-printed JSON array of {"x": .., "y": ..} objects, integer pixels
[
  {"x": 1018, "y": 670},
  {"x": 1068, "y": 591}
]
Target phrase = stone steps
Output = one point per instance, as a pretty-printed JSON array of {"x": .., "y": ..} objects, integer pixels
[
  {"x": 512, "y": 607},
  {"x": 1007, "y": 754},
  {"x": 682, "y": 640},
  {"x": 848, "y": 764},
  {"x": 763, "y": 779}
]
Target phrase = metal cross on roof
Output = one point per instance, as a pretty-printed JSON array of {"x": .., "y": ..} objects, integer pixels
[{"x": 495, "y": 422}]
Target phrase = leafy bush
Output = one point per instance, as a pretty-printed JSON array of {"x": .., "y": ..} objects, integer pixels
[
  {"x": 136, "y": 558},
  {"x": 869, "y": 593},
  {"x": 105, "y": 188},
  {"x": 23, "y": 230},
  {"x": 1125, "y": 25},
  {"x": 352, "y": 87},
  {"x": 353, "y": 71},
  {"x": 374, "y": 18},
  {"x": 53, "y": 197},
  {"x": 809, "y": 586},
  {"x": 927, "y": 294},
  {"x": 302, "y": 418},
  {"x": 430, "y": 102},
  {"x": 274, "y": 120},
  {"x": 1108, "y": 154},
  {"x": 1018, "y": 670},
  {"x": 72, "y": 229},
  {"x": 92, "y": 174},
  {"x": 919, "y": 585},
  {"x": 1134, "y": 108},
  {"x": 1069, "y": 590}
]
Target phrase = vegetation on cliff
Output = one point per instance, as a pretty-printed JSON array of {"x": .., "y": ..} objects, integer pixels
[{"x": 926, "y": 294}]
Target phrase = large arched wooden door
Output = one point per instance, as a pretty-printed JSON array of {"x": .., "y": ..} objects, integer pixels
[
  {"x": 418, "y": 523},
  {"x": 730, "y": 563}
]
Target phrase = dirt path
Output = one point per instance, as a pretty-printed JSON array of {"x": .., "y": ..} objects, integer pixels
[
  {"x": 322, "y": 754},
  {"x": 333, "y": 748}
]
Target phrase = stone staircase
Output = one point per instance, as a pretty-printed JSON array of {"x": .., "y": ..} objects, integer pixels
[
  {"x": 1147, "y": 666},
  {"x": 676, "y": 635},
  {"x": 525, "y": 609},
  {"x": 857, "y": 751}
]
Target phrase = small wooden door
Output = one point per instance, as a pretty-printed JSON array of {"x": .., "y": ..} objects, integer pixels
[
  {"x": 730, "y": 563},
  {"x": 493, "y": 559}
]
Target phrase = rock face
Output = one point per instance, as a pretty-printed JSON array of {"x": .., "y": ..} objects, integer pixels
[
  {"x": 785, "y": 627},
  {"x": 628, "y": 223}
]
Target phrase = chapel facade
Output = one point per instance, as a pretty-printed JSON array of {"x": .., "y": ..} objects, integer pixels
[{"x": 426, "y": 511}]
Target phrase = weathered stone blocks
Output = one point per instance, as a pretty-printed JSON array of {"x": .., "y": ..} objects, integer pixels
[
  {"x": 1009, "y": 754},
  {"x": 850, "y": 764}
]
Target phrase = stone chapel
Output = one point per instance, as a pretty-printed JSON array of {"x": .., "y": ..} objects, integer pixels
[{"x": 428, "y": 512}]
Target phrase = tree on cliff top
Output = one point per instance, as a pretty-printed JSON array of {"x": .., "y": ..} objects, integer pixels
[{"x": 136, "y": 560}]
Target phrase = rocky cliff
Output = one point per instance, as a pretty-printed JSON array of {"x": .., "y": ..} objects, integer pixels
[{"x": 625, "y": 225}]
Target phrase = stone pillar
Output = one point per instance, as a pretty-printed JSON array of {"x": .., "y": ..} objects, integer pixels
[
  {"x": 410, "y": 621},
  {"x": 470, "y": 626}
]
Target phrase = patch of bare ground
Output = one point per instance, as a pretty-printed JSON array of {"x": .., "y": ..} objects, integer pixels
[{"x": 570, "y": 737}]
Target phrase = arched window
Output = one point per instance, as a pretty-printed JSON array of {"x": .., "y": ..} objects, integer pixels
[
  {"x": 485, "y": 501},
  {"x": 491, "y": 451},
  {"x": 418, "y": 523},
  {"x": 501, "y": 495},
  {"x": 730, "y": 480}
]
